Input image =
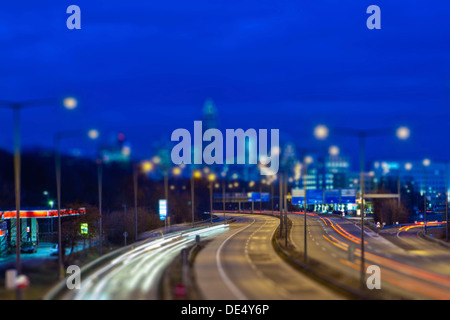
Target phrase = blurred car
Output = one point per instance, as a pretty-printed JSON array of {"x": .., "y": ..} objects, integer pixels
[
  {"x": 28, "y": 247},
  {"x": 338, "y": 212},
  {"x": 54, "y": 250}
]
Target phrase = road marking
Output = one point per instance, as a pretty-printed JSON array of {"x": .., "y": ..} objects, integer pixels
[{"x": 237, "y": 293}]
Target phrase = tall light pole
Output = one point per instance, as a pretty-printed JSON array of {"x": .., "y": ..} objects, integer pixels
[
  {"x": 93, "y": 134},
  {"x": 146, "y": 167},
  {"x": 223, "y": 194},
  {"x": 426, "y": 163},
  {"x": 16, "y": 107},
  {"x": 211, "y": 179},
  {"x": 100, "y": 191},
  {"x": 196, "y": 174},
  {"x": 321, "y": 132},
  {"x": 306, "y": 161},
  {"x": 446, "y": 200},
  {"x": 280, "y": 180}
]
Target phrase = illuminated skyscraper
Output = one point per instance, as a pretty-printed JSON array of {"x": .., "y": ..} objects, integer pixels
[{"x": 209, "y": 115}]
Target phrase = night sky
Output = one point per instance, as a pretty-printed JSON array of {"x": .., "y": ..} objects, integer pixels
[{"x": 145, "y": 68}]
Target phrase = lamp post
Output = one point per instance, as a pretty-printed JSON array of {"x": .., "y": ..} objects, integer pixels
[
  {"x": 146, "y": 167},
  {"x": 195, "y": 175},
  {"x": 321, "y": 132},
  {"x": 223, "y": 174},
  {"x": 280, "y": 202},
  {"x": 100, "y": 191},
  {"x": 426, "y": 163},
  {"x": 92, "y": 134},
  {"x": 16, "y": 107},
  {"x": 446, "y": 202},
  {"x": 211, "y": 179},
  {"x": 306, "y": 161}
]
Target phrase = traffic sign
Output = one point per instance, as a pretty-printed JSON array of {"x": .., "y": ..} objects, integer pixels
[{"x": 162, "y": 209}]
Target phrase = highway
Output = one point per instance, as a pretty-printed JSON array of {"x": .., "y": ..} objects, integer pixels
[
  {"x": 242, "y": 264},
  {"x": 135, "y": 274},
  {"x": 411, "y": 274}
]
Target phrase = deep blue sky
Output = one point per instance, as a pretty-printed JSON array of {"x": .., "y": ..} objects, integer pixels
[{"x": 145, "y": 68}]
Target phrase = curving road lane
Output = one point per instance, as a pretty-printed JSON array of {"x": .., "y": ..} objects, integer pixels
[{"x": 242, "y": 264}]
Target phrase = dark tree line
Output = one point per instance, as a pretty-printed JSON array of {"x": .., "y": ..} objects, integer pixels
[{"x": 80, "y": 188}]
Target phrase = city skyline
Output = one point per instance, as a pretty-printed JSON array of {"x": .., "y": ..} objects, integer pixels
[{"x": 265, "y": 66}]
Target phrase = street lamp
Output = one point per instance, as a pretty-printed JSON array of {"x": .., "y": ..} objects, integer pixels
[
  {"x": 176, "y": 171},
  {"x": 333, "y": 151},
  {"x": 402, "y": 133},
  {"x": 321, "y": 132},
  {"x": 145, "y": 167},
  {"x": 408, "y": 166},
  {"x": 426, "y": 162},
  {"x": 57, "y": 143},
  {"x": 211, "y": 179},
  {"x": 196, "y": 174},
  {"x": 68, "y": 103},
  {"x": 93, "y": 134},
  {"x": 223, "y": 175},
  {"x": 306, "y": 161}
]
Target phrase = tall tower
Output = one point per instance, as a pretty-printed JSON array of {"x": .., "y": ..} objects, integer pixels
[{"x": 209, "y": 115}]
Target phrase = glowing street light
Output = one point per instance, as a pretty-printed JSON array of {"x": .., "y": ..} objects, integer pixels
[
  {"x": 321, "y": 132},
  {"x": 408, "y": 166},
  {"x": 93, "y": 134},
  {"x": 147, "y": 166},
  {"x": 70, "y": 103},
  {"x": 156, "y": 160},
  {"x": 197, "y": 174},
  {"x": 334, "y": 151},
  {"x": 403, "y": 133},
  {"x": 308, "y": 160},
  {"x": 176, "y": 171}
]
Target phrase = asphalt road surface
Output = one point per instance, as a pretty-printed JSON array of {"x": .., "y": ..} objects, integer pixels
[
  {"x": 135, "y": 274},
  {"x": 409, "y": 270},
  {"x": 242, "y": 264}
]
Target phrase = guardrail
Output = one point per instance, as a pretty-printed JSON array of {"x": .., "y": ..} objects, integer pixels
[
  {"x": 440, "y": 242},
  {"x": 350, "y": 290},
  {"x": 57, "y": 290}
]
